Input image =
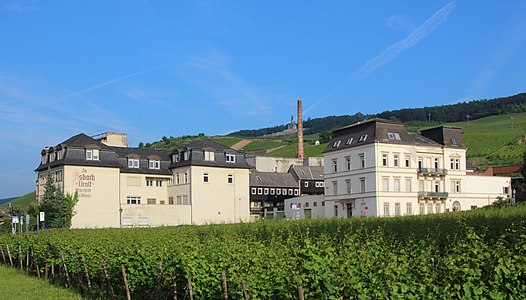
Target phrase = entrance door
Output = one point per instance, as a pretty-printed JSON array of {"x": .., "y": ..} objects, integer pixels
[
  {"x": 308, "y": 213},
  {"x": 349, "y": 208}
]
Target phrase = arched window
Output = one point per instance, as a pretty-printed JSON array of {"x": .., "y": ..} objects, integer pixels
[{"x": 456, "y": 206}]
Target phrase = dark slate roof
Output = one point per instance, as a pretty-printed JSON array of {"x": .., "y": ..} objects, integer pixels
[
  {"x": 209, "y": 144},
  {"x": 82, "y": 140},
  {"x": 113, "y": 157},
  {"x": 142, "y": 153},
  {"x": 196, "y": 156},
  {"x": 375, "y": 130},
  {"x": 272, "y": 179},
  {"x": 307, "y": 172}
]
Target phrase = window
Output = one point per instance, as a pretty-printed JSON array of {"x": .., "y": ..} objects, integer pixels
[
  {"x": 306, "y": 184},
  {"x": 438, "y": 208},
  {"x": 336, "y": 144},
  {"x": 209, "y": 155},
  {"x": 348, "y": 162},
  {"x": 133, "y": 163},
  {"x": 349, "y": 141},
  {"x": 260, "y": 191},
  {"x": 408, "y": 184},
  {"x": 314, "y": 203},
  {"x": 505, "y": 190},
  {"x": 171, "y": 200},
  {"x": 306, "y": 204},
  {"x": 362, "y": 185},
  {"x": 185, "y": 177},
  {"x": 422, "y": 209},
  {"x": 296, "y": 192},
  {"x": 92, "y": 154},
  {"x": 323, "y": 203},
  {"x": 133, "y": 200},
  {"x": 205, "y": 177},
  {"x": 265, "y": 191},
  {"x": 429, "y": 208},
  {"x": 284, "y": 192},
  {"x": 384, "y": 159},
  {"x": 397, "y": 184},
  {"x": 362, "y": 138},
  {"x": 455, "y": 164},
  {"x": 335, "y": 210},
  {"x": 155, "y": 164},
  {"x": 362, "y": 160},
  {"x": 272, "y": 191},
  {"x": 386, "y": 208},
  {"x": 179, "y": 200},
  {"x": 59, "y": 155},
  {"x": 278, "y": 191},
  {"x": 186, "y": 201},
  {"x": 397, "y": 209},
  {"x": 407, "y": 161},
  {"x": 58, "y": 176},
  {"x": 151, "y": 201},
  {"x": 149, "y": 182},
  {"x": 230, "y": 158},
  {"x": 396, "y": 159},
  {"x": 456, "y": 206},
  {"x": 420, "y": 162},
  {"x": 385, "y": 184},
  {"x": 175, "y": 158},
  {"x": 420, "y": 185},
  {"x": 348, "y": 185},
  {"x": 335, "y": 187},
  {"x": 393, "y": 136},
  {"x": 159, "y": 183},
  {"x": 334, "y": 165},
  {"x": 177, "y": 179},
  {"x": 436, "y": 164},
  {"x": 437, "y": 186},
  {"x": 409, "y": 208},
  {"x": 253, "y": 190},
  {"x": 455, "y": 186},
  {"x": 290, "y": 192},
  {"x": 230, "y": 178}
]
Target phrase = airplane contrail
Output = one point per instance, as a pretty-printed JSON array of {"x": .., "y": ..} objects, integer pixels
[
  {"x": 395, "y": 49},
  {"x": 109, "y": 82}
]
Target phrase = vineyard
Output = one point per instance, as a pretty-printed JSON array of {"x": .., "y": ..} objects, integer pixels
[{"x": 475, "y": 254}]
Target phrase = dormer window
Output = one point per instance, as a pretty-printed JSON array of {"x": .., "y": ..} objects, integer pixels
[
  {"x": 51, "y": 156},
  {"x": 349, "y": 141},
  {"x": 230, "y": 158},
  {"x": 209, "y": 155},
  {"x": 336, "y": 144},
  {"x": 133, "y": 163},
  {"x": 59, "y": 155},
  {"x": 155, "y": 164},
  {"x": 393, "y": 136},
  {"x": 186, "y": 155},
  {"x": 92, "y": 154},
  {"x": 362, "y": 138},
  {"x": 453, "y": 141},
  {"x": 175, "y": 158}
]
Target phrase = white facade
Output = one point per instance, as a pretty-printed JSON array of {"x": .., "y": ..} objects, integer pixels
[{"x": 409, "y": 176}]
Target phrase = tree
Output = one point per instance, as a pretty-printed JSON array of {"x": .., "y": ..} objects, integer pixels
[
  {"x": 325, "y": 137},
  {"x": 57, "y": 206}
]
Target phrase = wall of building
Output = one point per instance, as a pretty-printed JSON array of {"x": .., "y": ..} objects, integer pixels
[
  {"x": 273, "y": 164},
  {"x": 314, "y": 203},
  {"x": 216, "y": 201},
  {"x": 98, "y": 195}
]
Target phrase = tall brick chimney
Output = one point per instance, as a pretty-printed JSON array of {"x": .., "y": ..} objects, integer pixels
[{"x": 300, "y": 154}]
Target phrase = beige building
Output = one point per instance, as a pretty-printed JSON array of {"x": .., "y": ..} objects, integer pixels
[
  {"x": 119, "y": 186},
  {"x": 378, "y": 168}
]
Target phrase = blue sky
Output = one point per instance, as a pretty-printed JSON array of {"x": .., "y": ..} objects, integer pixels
[{"x": 170, "y": 68}]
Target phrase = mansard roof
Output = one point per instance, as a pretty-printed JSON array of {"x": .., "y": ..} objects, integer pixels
[
  {"x": 377, "y": 130},
  {"x": 196, "y": 157},
  {"x": 307, "y": 172},
  {"x": 272, "y": 179}
]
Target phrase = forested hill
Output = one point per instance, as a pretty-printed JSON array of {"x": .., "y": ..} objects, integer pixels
[{"x": 443, "y": 114}]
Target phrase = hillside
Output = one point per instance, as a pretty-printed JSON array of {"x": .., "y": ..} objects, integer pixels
[
  {"x": 23, "y": 202},
  {"x": 441, "y": 114}
]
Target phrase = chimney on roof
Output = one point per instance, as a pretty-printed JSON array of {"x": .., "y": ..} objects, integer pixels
[{"x": 300, "y": 131}]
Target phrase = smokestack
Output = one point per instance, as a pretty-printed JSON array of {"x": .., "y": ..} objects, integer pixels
[{"x": 300, "y": 131}]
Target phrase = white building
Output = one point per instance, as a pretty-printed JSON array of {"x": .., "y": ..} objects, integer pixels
[{"x": 378, "y": 168}]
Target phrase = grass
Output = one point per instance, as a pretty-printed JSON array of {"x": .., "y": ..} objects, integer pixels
[
  {"x": 23, "y": 202},
  {"x": 262, "y": 144},
  {"x": 16, "y": 285},
  {"x": 226, "y": 140}
]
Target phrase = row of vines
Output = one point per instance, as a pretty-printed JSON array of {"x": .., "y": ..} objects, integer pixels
[{"x": 477, "y": 254}]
